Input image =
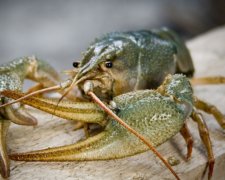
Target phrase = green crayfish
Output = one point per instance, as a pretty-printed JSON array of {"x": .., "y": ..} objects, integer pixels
[
  {"x": 118, "y": 68},
  {"x": 12, "y": 76}
]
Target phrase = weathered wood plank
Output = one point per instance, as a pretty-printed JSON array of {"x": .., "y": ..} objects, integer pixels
[{"x": 208, "y": 52}]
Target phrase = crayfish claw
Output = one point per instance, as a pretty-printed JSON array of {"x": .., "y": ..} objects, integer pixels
[
  {"x": 19, "y": 115},
  {"x": 4, "y": 161}
]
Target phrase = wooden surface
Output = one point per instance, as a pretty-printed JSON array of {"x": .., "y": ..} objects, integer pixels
[{"x": 208, "y": 52}]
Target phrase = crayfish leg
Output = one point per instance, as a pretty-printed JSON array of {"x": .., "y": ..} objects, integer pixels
[
  {"x": 204, "y": 134},
  {"x": 185, "y": 132},
  {"x": 208, "y": 108},
  {"x": 85, "y": 126},
  {"x": 35, "y": 88},
  {"x": 86, "y": 130},
  {"x": 208, "y": 80},
  {"x": 4, "y": 160},
  {"x": 78, "y": 125}
]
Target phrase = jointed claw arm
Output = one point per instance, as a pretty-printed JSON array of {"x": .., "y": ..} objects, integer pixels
[{"x": 12, "y": 76}]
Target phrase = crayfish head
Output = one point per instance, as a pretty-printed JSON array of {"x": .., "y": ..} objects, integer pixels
[
  {"x": 109, "y": 64},
  {"x": 100, "y": 83},
  {"x": 105, "y": 67}
]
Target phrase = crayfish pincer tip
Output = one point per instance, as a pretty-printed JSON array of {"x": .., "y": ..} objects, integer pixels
[{"x": 5, "y": 173}]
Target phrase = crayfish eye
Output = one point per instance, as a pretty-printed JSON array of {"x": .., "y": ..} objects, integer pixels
[
  {"x": 109, "y": 64},
  {"x": 76, "y": 64}
]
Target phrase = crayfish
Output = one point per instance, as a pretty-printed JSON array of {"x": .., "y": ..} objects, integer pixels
[
  {"x": 111, "y": 68},
  {"x": 12, "y": 76}
]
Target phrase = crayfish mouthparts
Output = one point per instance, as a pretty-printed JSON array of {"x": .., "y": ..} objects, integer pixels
[{"x": 88, "y": 86}]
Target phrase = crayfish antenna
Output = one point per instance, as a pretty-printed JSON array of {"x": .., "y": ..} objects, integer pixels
[
  {"x": 49, "y": 89},
  {"x": 86, "y": 112},
  {"x": 68, "y": 90},
  {"x": 74, "y": 82},
  {"x": 70, "y": 73},
  {"x": 207, "y": 80},
  {"x": 138, "y": 135}
]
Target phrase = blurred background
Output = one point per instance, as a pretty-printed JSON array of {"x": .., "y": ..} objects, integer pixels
[{"x": 58, "y": 31}]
